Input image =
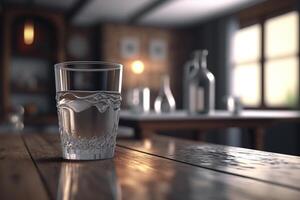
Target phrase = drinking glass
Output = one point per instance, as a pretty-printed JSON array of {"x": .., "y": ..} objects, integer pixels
[{"x": 88, "y": 95}]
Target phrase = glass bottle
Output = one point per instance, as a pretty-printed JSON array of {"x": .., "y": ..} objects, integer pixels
[
  {"x": 165, "y": 101},
  {"x": 199, "y": 85}
]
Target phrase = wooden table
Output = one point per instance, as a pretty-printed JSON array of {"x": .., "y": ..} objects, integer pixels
[
  {"x": 255, "y": 120},
  {"x": 31, "y": 167}
]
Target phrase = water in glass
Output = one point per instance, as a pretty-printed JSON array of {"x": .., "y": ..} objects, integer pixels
[{"x": 88, "y": 122}]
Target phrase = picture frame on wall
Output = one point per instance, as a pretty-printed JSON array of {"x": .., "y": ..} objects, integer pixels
[
  {"x": 130, "y": 47},
  {"x": 158, "y": 49}
]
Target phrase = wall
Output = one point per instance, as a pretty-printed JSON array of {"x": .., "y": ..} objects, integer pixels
[
  {"x": 1, "y": 68},
  {"x": 178, "y": 45}
]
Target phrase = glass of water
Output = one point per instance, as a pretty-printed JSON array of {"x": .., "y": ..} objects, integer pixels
[{"x": 88, "y": 95}]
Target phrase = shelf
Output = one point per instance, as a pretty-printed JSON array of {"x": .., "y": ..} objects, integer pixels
[
  {"x": 45, "y": 119},
  {"x": 30, "y": 91},
  {"x": 44, "y": 56}
]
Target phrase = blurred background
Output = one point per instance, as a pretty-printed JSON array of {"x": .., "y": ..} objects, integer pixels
[{"x": 253, "y": 50}]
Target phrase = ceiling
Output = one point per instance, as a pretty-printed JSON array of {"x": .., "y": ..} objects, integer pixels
[
  {"x": 55, "y": 4},
  {"x": 186, "y": 12},
  {"x": 109, "y": 10},
  {"x": 165, "y": 13}
]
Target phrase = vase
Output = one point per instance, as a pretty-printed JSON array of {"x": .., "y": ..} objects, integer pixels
[{"x": 165, "y": 102}]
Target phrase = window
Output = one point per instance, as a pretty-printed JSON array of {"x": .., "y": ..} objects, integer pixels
[
  {"x": 269, "y": 78},
  {"x": 281, "y": 67},
  {"x": 246, "y": 73}
]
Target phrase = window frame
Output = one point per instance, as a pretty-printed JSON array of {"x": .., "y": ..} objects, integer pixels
[{"x": 261, "y": 20}]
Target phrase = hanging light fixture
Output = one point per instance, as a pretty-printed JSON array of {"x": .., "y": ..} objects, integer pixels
[{"x": 28, "y": 32}]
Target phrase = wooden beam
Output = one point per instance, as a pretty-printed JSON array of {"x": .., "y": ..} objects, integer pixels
[
  {"x": 265, "y": 10},
  {"x": 76, "y": 8},
  {"x": 145, "y": 10}
]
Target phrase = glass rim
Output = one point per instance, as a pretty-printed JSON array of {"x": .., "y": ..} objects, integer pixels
[{"x": 110, "y": 66}]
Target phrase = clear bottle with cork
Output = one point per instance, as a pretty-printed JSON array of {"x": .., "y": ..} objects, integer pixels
[{"x": 199, "y": 85}]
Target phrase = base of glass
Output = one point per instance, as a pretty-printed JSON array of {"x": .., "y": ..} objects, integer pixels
[{"x": 84, "y": 155}]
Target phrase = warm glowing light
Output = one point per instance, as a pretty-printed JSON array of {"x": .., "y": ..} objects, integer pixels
[
  {"x": 137, "y": 67},
  {"x": 147, "y": 144},
  {"x": 28, "y": 32}
]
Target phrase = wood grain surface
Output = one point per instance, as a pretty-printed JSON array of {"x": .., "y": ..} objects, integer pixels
[
  {"x": 19, "y": 178},
  {"x": 136, "y": 175},
  {"x": 269, "y": 167}
]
